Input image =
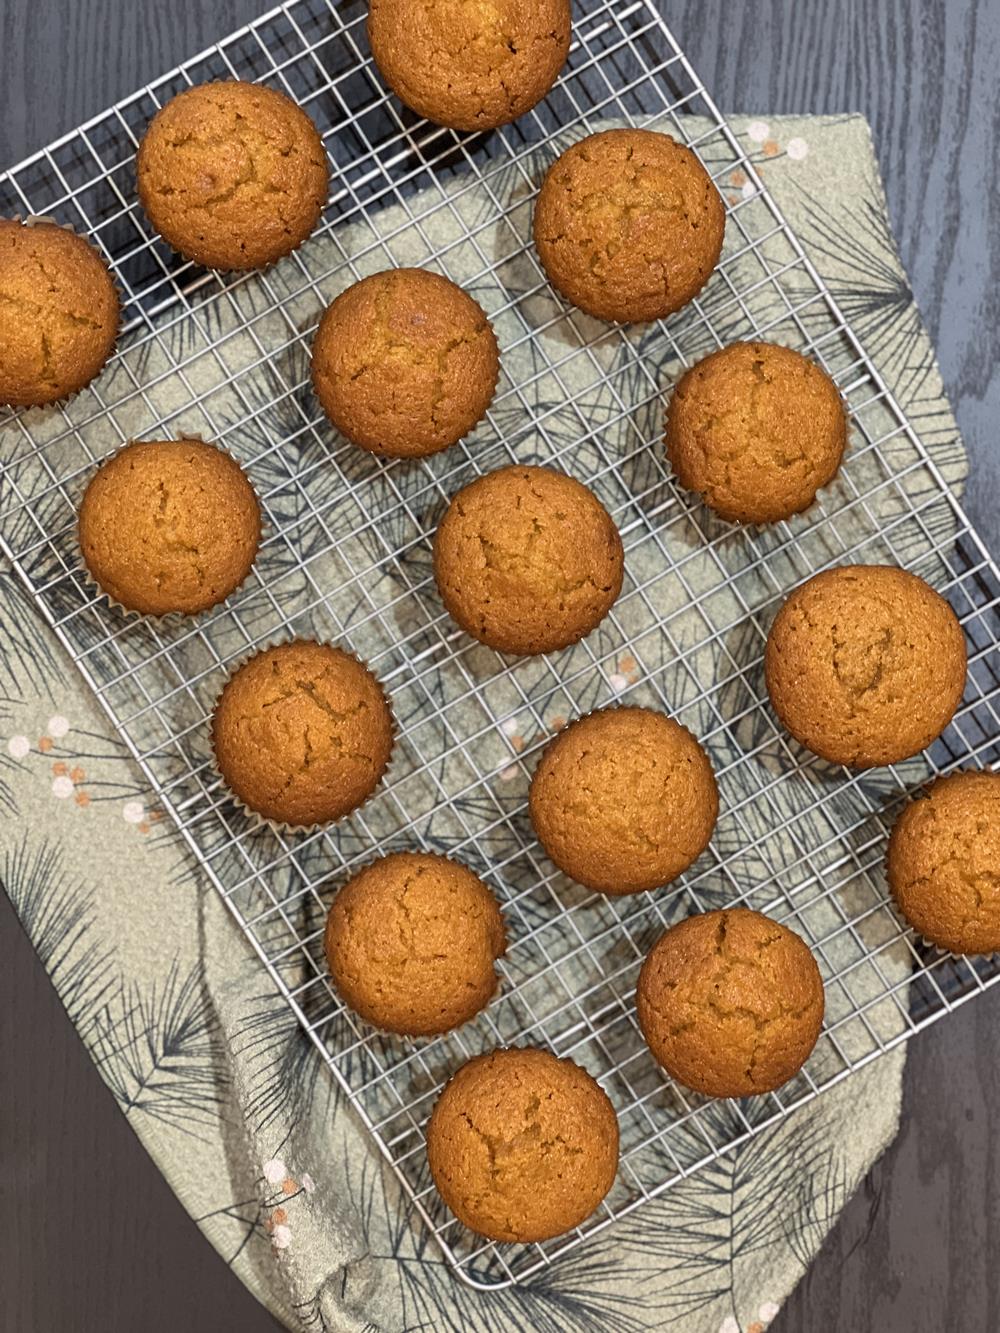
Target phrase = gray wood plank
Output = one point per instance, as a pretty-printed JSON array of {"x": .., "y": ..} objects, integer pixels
[{"x": 95, "y": 1240}]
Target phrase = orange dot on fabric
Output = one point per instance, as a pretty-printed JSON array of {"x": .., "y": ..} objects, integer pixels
[
  {"x": 59, "y": 768},
  {"x": 771, "y": 148},
  {"x": 518, "y": 743},
  {"x": 155, "y": 815},
  {"x": 738, "y": 178},
  {"x": 558, "y": 722},
  {"x": 144, "y": 827},
  {"x": 289, "y": 1185},
  {"x": 279, "y": 1217},
  {"x": 755, "y": 1327},
  {"x": 77, "y": 774},
  {"x": 82, "y": 799},
  {"x": 627, "y": 664},
  {"x": 45, "y": 744}
]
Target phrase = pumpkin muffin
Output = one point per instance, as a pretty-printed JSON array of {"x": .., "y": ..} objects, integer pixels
[
  {"x": 522, "y": 1146},
  {"x": 865, "y": 665},
  {"x": 944, "y": 863},
  {"x": 528, "y": 560},
  {"x": 471, "y": 66},
  {"x": 756, "y": 429},
  {"x": 405, "y": 363},
  {"x": 629, "y": 225},
  {"x": 624, "y": 800},
  {"x": 61, "y": 313},
  {"x": 169, "y": 526},
  {"x": 412, "y": 941},
  {"x": 731, "y": 1003},
  {"x": 232, "y": 175},
  {"x": 302, "y": 733}
]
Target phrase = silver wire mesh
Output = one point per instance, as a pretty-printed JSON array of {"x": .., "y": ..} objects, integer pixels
[{"x": 346, "y": 557}]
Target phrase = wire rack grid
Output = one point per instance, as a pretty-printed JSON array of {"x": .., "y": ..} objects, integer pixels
[{"x": 347, "y": 557}]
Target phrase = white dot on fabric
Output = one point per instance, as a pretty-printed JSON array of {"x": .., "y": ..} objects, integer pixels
[
  {"x": 18, "y": 747},
  {"x": 132, "y": 812},
  {"x": 618, "y": 682},
  {"x": 62, "y": 787},
  {"x": 797, "y": 149},
  {"x": 749, "y": 190},
  {"x": 758, "y": 130},
  {"x": 281, "y": 1237},
  {"x": 510, "y": 727},
  {"x": 767, "y": 1312},
  {"x": 58, "y": 726},
  {"x": 274, "y": 1171},
  {"x": 729, "y": 1325},
  {"x": 508, "y": 774}
]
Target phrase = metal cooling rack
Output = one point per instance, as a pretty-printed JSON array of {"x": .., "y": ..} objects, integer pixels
[{"x": 346, "y": 557}]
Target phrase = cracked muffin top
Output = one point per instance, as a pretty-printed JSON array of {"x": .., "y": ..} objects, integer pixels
[
  {"x": 944, "y": 863},
  {"x": 756, "y": 429},
  {"x": 528, "y": 560},
  {"x": 522, "y": 1145},
  {"x": 411, "y": 942},
  {"x": 302, "y": 733},
  {"x": 232, "y": 175},
  {"x": 169, "y": 526},
  {"x": 60, "y": 309},
  {"x": 405, "y": 363},
  {"x": 865, "y": 665},
  {"x": 731, "y": 1003},
  {"x": 629, "y": 225},
  {"x": 470, "y": 64},
  {"x": 623, "y": 800}
]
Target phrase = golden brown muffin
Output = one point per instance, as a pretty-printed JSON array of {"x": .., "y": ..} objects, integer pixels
[
  {"x": 405, "y": 363},
  {"x": 731, "y": 1003},
  {"x": 60, "y": 313},
  {"x": 302, "y": 733},
  {"x": 757, "y": 429},
  {"x": 470, "y": 64},
  {"x": 865, "y": 665},
  {"x": 628, "y": 225},
  {"x": 232, "y": 175},
  {"x": 169, "y": 525},
  {"x": 944, "y": 863},
  {"x": 412, "y": 941},
  {"x": 522, "y": 1146},
  {"x": 624, "y": 800},
  {"x": 528, "y": 560}
]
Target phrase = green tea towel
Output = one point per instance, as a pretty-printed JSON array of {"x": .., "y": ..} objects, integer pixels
[{"x": 233, "y": 1102}]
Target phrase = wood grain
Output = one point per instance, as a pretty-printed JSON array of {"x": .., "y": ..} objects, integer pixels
[{"x": 94, "y": 1240}]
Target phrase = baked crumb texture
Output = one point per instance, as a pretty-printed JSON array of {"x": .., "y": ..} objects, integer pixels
[
  {"x": 232, "y": 175},
  {"x": 628, "y": 225},
  {"x": 412, "y": 941},
  {"x": 302, "y": 733},
  {"x": 623, "y": 800},
  {"x": 169, "y": 526},
  {"x": 59, "y": 313},
  {"x": 865, "y": 665},
  {"x": 731, "y": 1003},
  {"x": 405, "y": 363},
  {"x": 470, "y": 64},
  {"x": 528, "y": 560},
  {"x": 522, "y": 1146},
  {"x": 756, "y": 429},
  {"x": 944, "y": 863}
]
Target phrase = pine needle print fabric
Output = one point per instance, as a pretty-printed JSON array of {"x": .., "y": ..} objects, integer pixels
[{"x": 204, "y": 1057}]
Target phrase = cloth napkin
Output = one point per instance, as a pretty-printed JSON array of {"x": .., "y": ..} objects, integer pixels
[{"x": 235, "y": 1105}]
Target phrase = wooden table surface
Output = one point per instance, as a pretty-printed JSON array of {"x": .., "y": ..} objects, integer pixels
[{"x": 93, "y": 1238}]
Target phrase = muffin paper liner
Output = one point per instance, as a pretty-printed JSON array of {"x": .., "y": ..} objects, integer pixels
[
  {"x": 43, "y": 220},
  {"x": 276, "y": 825},
  {"x": 168, "y": 617}
]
